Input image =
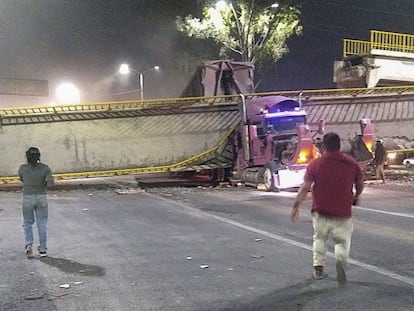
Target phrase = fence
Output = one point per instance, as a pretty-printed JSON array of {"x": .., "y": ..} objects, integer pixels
[{"x": 379, "y": 40}]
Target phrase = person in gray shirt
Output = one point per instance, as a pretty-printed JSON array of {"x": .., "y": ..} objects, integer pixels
[{"x": 36, "y": 177}]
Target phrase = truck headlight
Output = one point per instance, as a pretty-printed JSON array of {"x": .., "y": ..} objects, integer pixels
[
  {"x": 303, "y": 157},
  {"x": 391, "y": 155}
]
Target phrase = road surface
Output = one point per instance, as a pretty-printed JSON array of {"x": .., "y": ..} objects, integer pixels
[{"x": 203, "y": 249}]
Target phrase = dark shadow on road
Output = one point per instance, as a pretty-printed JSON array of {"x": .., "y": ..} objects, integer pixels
[
  {"x": 324, "y": 295},
  {"x": 73, "y": 267}
]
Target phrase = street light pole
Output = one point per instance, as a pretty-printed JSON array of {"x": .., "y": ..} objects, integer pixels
[
  {"x": 141, "y": 85},
  {"x": 125, "y": 69}
]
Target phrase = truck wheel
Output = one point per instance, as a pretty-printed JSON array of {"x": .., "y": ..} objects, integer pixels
[
  {"x": 369, "y": 170},
  {"x": 268, "y": 177}
]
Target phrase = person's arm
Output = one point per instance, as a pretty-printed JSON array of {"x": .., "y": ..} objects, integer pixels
[
  {"x": 49, "y": 178},
  {"x": 359, "y": 186},
  {"x": 20, "y": 174},
  {"x": 300, "y": 197}
]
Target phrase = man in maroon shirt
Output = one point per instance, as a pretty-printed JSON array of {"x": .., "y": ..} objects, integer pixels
[{"x": 332, "y": 178}]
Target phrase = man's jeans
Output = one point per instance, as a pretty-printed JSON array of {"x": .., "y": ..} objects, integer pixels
[
  {"x": 341, "y": 230},
  {"x": 35, "y": 205}
]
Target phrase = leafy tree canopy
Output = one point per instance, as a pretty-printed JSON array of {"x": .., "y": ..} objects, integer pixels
[{"x": 255, "y": 31}]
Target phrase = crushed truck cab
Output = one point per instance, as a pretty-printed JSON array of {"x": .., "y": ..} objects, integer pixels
[{"x": 273, "y": 144}]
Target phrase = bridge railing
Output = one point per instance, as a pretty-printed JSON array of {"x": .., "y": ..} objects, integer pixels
[
  {"x": 120, "y": 105},
  {"x": 356, "y": 47},
  {"x": 399, "y": 42},
  {"x": 379, "y": 40},
  {"x": 207, "y": 101}
]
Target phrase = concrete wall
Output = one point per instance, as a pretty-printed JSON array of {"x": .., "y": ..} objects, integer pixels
[
  {"x": 392, "y": 116},
  {"x": 79, "y": 146}
]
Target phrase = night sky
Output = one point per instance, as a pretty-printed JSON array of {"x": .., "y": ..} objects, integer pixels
[{"x": 85, "y": 41}]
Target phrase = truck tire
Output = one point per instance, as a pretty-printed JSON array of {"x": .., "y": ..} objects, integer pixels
[
  {"x": 369, "y": 171},
  {"x": 268, "y": 177}
]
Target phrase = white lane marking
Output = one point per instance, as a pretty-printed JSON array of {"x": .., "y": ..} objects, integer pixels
[
  {"x": 383, "y": 212},
  {"x": 292, "y": 195},
  {"x": 406, "y": 215},
  {"x": 357, "y": 263},
  {"x": 360, "y": 264}
]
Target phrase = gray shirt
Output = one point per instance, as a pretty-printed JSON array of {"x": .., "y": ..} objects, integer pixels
[{"x": 35, "y": 178}]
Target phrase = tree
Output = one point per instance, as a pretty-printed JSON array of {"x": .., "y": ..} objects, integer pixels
[{"x": 255, "y": 31}]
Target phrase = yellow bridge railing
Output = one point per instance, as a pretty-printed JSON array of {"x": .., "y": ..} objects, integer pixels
[
  {"x": 380, "y": 40},
  {"x": 356, "y": 47},
  {"x": 391, "y": 41},
  {"x": 196, "y": 101},
  {"x": 119, "y": 106}
]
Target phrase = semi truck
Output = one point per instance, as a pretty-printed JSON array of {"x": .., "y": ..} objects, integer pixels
[{"x": 273, "y": 143}]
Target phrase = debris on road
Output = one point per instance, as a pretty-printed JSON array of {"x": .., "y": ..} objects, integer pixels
[
  {"x": 129, "y": 191},
  {"x": 224, "y": 185},
  {"x": 61, "y": 293},
  {"x": 33, "y": 296},
  {"x": 257, "y": 256}
]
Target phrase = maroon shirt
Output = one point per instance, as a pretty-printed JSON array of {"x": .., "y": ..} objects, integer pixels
[{"x": 333, "y": 176}]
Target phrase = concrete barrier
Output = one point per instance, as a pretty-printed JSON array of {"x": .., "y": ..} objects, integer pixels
[{"x": 107, "y": 144}]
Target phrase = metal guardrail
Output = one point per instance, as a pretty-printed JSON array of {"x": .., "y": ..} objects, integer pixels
[
  {"x": 208, "y": 101},
  {"x": 400, "y": 150},
  {"x": 117, "y": 106},
  {"x": 344, "y": 93},
  {"x": 108, "y": 110},
  {"x": 379, "y": 40},
  {"x": 391, "y": 41},
  {"x": 356, "y": 47}
]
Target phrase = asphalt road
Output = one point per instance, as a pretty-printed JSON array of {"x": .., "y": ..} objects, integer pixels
[{"x": 203, "y": 249}]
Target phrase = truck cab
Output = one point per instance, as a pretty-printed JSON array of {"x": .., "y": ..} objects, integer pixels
[{"x": 276, "y": 142}]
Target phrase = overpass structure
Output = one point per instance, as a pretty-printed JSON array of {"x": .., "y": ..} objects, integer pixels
[
  {"x": 178, "y": 134},
  {"x": 386, "y": 59},
  {"x": 118, "y": 137}
]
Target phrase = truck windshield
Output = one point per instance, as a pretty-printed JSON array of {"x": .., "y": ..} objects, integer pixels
[{"x": 279, "y": 124}]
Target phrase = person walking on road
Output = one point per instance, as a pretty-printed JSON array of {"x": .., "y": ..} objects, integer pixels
[
  {"x": 36, "y": 177},
  {"x": 379, "y": 158},
  {"x": 332, "y": 178}
]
